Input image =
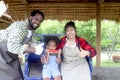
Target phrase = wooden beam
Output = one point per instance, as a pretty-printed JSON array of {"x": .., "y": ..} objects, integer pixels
[
  {"x": 51, "y": 3},
  {"x": 81, "y": 4},
  {"x": 1, "y": 20},
  {"x": 24, "y": 1},
  {"x": 98, "y": 35},
  {"x": 65, "y": 4},
  {"x": 100, "y": 1},
  {"x": 111, "y": 4}
]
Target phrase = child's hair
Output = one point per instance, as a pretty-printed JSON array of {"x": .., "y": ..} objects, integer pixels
[
  {"x": 50, "y": 38},
  {"x": 50, "y": 41}
]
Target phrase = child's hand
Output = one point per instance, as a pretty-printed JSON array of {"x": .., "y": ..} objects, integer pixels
[
  {"x": 47, "y": 50},
  {"x": 44, "y": 59},
  {"x": 59, "y": 51}
]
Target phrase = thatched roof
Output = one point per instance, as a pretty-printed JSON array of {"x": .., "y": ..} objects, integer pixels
[{"x": 65, "y": 9}]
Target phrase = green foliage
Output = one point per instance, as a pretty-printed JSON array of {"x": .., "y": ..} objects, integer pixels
[
  {"x": 118, "y": 46},
  {"x": 110, "y": 31},
  {"x": 108, "y": 63},
  {"x": 50, "y": 27},
  {"x": 105, "y": 43},
  {"x": 87, "y": 30}
]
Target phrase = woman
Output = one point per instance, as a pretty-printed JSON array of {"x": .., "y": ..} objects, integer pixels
[{"x": 76, "y": 55}]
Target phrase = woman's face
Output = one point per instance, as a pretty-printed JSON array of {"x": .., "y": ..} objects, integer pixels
[{"x": 70, "y": 32}]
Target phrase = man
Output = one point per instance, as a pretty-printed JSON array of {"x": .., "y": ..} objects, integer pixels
[{"x": 14, "y": 41}]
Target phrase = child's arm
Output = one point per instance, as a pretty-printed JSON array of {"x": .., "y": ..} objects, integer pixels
[
  {"x": 59, "y": 57},
  {"x": 47, "y": 56},
  {"x": 44, "y": 58}
]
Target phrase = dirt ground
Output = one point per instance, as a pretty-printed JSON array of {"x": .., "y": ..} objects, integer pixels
[
  {"x": 105, "y": 73},
  {"x": 109, "y": 73}
]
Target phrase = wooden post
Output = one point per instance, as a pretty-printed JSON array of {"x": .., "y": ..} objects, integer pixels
[{"x": 98, "y": 36}]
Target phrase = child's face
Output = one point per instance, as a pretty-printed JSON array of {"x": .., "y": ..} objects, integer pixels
[{"x": 51, "y": 45}]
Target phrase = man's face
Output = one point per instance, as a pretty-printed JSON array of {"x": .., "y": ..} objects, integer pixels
[{"x": 35, "y": 21}]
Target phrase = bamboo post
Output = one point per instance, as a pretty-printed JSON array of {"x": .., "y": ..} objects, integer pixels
[{"x": 98, "y": 36}]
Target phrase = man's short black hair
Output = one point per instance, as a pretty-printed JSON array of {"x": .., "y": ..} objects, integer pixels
[{"x": 34, "y": 12}]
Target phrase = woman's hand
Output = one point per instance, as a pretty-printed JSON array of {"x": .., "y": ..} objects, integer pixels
[{"x": 83, "y": 53}]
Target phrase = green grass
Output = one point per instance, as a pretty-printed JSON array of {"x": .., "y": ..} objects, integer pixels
[{"x": 107, "y": 63}]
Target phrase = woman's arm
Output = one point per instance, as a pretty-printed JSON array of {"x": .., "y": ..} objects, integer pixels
[{"x": 85, "y": 46}]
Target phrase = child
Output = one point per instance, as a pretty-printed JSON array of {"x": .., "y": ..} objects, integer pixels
[{"x": 53, "y": 58}]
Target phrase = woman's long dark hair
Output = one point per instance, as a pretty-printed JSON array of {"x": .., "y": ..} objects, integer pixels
[{"x": 70, "y": 24}]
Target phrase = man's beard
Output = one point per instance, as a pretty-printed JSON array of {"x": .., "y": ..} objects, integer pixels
[{"x": 31, "y": 25}]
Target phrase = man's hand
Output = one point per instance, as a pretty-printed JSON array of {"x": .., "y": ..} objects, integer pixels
[{"x": 29, "y": 50}]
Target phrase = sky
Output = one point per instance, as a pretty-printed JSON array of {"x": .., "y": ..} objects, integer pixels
[{"x": 3, "y": 8}]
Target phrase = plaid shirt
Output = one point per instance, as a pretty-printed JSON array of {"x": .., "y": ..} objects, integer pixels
[{"x": 80, "y": 42}]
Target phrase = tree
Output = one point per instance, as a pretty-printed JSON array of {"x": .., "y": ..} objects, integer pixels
[
  {"x": 87, "y": 30},
  {"x": 110, "y": 36}
]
